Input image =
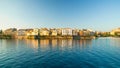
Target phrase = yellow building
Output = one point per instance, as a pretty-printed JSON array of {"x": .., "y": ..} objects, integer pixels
[
  {"x": 32, "y": 32},
  {"x": 115, "y": 32},
  {"x": 12, "y": 32},
  {"x": 22, "y": 34},
  {"x": 80, "y": 33},
  {"x": 44, "y": 32},
  {"x": 59, "y": 31},
  {"x": 53, "y": 32}
]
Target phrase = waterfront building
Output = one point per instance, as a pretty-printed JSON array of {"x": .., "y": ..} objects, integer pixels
[
  {"x": 22, "y": 34},
  {"x": 44, "y": 32},
  {"x": 98, "y": 33},
  {"x": 32, "y": 32},
  {"x": 75, "y": 32},
  {"x": 86, "y": 32},
  {"x": 66, "y": 31},
  {"x": 115, "y": 32},
  {"x": 35, "y": 31},
  {"x": 80, "y": 33},
  {"x": 11, "y": 32},
  {"x": 29, "y": 32},
  {"x": 59, "y": 31},
  {"x": 53, "y": 32},
  {"x": 112, "y": 33},
  {"x": 91, "y": 32}
]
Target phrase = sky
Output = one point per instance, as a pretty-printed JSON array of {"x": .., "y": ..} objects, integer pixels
[{"x": 100, "y": 15}]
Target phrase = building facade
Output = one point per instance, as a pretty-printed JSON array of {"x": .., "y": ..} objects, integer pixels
[
  {"x": 53, "y": 32},
  {"x": 11, "y": 32},
  {"x": 44, "y": 32},
  {"x": 67, "y": 31},
  {"x": 115, "y": 32}
]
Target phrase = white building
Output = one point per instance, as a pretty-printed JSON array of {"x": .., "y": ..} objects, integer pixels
[
  {"x": 22, "y": 32},
  {"x": 10, "y": 31},
  {"x": 75, "y": 32},
  {"x": 66, "y": 31}
]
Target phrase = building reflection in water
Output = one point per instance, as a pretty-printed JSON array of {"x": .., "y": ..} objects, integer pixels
[
  {"x": 44, "y": 43},
  {"x": 54, "y": 42},
  {"x": 85, "y": 43},
  {"x": 13, "y": 43},
  {"x": 115, "y": 41},
  {"x": 65, "y": 44},
  {"x": 59, "y": 43},
  {"x": 32, "y": 43}
]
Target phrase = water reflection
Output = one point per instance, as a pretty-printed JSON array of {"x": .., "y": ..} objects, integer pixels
[
  {"x": 12, "y": 44},
  {"x": 54, "y": 53},
  {"x": 61, "y": 43},
  {"x": 32, "y": 43}
]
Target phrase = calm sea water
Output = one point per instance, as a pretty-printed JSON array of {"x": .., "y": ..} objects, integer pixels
[{"x": 62, "y": 53}]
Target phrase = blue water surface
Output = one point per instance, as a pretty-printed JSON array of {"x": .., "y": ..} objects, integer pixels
[{"x": 60, "y": 53}]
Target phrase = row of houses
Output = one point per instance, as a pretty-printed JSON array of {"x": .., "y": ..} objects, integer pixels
[{"x": 25, "y": 33}]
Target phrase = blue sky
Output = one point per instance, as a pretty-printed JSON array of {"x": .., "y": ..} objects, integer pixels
[{"x": 101, "y": 15}]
